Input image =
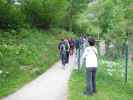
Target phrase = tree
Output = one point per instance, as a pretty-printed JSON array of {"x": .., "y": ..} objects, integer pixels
[
  {"x": 110, "y": 18},
  {"x": 10, "y": 16},
  {"x": 45, "y": 13}
]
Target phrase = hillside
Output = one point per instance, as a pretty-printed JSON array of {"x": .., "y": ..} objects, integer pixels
[{"x": 23, "y": 58}]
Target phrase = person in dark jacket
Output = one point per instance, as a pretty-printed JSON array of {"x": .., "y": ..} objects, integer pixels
[
  {"x": 62, "y": 51},
  {"x": 71, "y": 43},
  {"x": 77, "y": 46},
  {"x": 67, "y": 47}
]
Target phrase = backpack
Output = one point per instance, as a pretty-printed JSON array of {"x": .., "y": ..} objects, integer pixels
[
  {"x": 66, "y": 46},
  {"x": 62, "y": 47}
]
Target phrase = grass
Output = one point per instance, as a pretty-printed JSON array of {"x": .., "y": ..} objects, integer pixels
[
  {"x": 109, "y": 86},
  {"x": 26, "y": 55}
]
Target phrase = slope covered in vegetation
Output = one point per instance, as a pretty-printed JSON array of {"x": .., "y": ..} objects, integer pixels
[{"x": 24, "y": 58}]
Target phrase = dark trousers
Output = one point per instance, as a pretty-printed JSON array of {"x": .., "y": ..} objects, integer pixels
[
  {"x": 63, "y": 58},
  {"x": 67, "y": 56},
  {"x": 91, "y": 80},
  {"x": 78, "y": 57}
]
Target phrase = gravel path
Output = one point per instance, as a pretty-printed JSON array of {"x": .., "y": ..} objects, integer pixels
[{"x": 52, "y": 85}]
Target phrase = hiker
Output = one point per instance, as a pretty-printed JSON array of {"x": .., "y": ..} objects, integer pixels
[
  {"x": 71, "y": 43},
  {"x": 81, "y": 45},
  {"x": 62, "y": 51},
  {"x": 67, "y": 47},
  {"x": 77, "y": 46},
  {"x": 85, "y": 42},
  {"x": 90, "y": 56}
]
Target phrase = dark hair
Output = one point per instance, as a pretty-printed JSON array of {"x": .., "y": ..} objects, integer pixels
[
  {"x": 62, "y": 39},
  {"x": 91, "y": 41}
]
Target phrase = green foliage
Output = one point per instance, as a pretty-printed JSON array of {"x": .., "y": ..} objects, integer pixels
[
  {"x": 11, "y": 17},
  {"x": 26, "y": 53},
  {"x": 111, "y": 18},
  {"x": 38, "y": 13},
  {"x": 24, "y": 58},
  {"x": 110, "y": 83},
  {"x": 45, "y": 13},
  {"x": 129, "y": 15}
]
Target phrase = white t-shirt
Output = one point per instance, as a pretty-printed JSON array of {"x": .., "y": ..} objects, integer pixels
[{"x": 90, "y": 56}]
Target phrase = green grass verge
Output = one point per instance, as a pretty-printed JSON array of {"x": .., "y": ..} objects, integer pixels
[
  {"x": 110, "y": 86},
  {"x": 26, "y": 55}
]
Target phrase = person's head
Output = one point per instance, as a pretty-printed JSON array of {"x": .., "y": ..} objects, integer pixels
[
  {"x": 62, "y": 39},
  {"x": 71, "y": 39},
  {"x": 91, "y": 41}
]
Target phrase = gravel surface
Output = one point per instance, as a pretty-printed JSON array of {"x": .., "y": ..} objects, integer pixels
[{"x": 52, "y": 85}]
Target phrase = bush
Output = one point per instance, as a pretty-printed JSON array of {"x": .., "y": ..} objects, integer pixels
[
  {"x": 44, "y": 13},
  {"x": 11, "y": 16}
]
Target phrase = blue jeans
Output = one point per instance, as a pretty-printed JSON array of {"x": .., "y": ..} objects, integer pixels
[{"x": 91, "y": 80}]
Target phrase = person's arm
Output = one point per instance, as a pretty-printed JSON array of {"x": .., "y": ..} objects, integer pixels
[{"x": 96, "y": 52}]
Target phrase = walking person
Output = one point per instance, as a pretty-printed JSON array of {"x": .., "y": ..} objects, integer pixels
[
  {"x": 90, "y": 56},
  {"x": 85, "y": 42},
  {"x": 62, "y": 51},
  {"x": 77, "y": 46},
  {"x": 81, "y": 45},
  {"x": 71, "y": 43},
  {"x": 67, "y": 47}
]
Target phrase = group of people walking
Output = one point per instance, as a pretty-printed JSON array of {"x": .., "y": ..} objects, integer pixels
[
  {"x": 66, "y": 48},
  {"x": 85, "y": 49}
]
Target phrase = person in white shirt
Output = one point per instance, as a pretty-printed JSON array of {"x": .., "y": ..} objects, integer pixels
[{"x": 90, "y": 56}]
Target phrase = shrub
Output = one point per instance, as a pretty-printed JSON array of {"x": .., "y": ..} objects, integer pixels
[
  {"x": 44, "y": 13},
  {"x": 10, "y": 16}
]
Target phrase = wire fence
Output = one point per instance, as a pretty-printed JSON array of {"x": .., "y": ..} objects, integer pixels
[{"x": 119, "y": 59}]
